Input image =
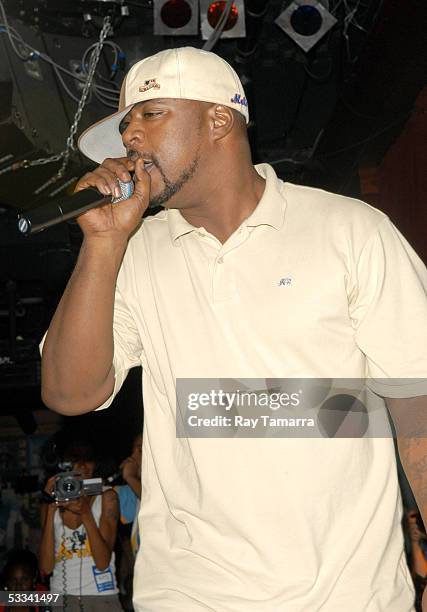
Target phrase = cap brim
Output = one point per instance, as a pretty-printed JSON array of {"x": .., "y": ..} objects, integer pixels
[{"x": 103, "y": 139}]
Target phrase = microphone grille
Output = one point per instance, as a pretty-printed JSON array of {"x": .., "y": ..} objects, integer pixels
[{"x": 126, "y": 189}]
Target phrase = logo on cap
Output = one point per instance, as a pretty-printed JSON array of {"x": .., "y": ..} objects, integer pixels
[
  {"x": 238, "y": 99},
  {"x": 150, "y": 84}
]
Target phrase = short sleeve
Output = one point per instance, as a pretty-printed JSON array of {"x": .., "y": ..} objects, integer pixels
[
  {"x": 128, "y": 349},
  {"x": 389, "y": 313}
]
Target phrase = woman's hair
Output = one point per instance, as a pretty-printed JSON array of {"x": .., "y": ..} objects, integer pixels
[
  {"x": 72, "y": 445},
  {"x": 76, "y": 450}
]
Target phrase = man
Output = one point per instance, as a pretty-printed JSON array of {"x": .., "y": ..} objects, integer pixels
[
  {"x": 241, "y": 276},
  {"x": 130, "y": 493}
]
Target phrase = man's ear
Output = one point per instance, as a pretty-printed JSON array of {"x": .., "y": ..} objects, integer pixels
[{"x": 221, "y": 121}]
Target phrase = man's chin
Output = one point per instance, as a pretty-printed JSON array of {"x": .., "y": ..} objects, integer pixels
[{"x": 165, "y": 200}]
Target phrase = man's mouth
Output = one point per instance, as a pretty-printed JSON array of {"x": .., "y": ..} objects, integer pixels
[{"x": 148, "y": 163}]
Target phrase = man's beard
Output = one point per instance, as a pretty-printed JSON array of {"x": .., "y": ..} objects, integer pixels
[
  {"x": 170, "y": 187},
  {"x": 173, "y": 187}
]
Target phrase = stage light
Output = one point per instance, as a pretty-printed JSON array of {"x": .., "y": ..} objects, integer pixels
[
  {"x": 176, "y": 17},
  {"x": 306, "y": 22},
  {"x": 210, "y": 14},
  {"x": 215, "y": 11}
]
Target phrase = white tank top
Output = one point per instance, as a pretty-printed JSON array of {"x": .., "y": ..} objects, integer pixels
[{"x": 81, "y": 575}]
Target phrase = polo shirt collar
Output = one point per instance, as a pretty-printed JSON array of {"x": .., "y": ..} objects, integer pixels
[{"x": 270, "y": 209}]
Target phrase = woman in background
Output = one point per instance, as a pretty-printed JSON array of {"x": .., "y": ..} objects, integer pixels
[{"x": 77, "y": 542}]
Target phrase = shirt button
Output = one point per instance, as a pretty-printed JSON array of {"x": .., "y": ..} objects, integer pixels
[{"x": 220, "y": 260}]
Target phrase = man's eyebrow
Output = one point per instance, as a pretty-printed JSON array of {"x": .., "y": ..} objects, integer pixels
[{"x": 162, "y": 101}]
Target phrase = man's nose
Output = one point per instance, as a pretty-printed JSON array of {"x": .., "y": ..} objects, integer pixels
[{"x": 133, "y": 135}]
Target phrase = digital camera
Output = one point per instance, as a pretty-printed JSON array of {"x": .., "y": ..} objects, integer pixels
[{"x": 69, "y": 486}]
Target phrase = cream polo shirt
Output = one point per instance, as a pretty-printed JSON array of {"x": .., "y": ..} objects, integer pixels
[{"x": 269, "y": 525}]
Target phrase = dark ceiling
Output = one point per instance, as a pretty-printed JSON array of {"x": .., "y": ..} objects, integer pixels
[{"x": 317, "y": 116}]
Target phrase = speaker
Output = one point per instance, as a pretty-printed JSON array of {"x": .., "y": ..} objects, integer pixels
[
  {"x": 40, "y": 106},
  {"x": 306, "y": 22},
  {"x": 210, "y": 14},
  {"x": 176, "y": 17}
]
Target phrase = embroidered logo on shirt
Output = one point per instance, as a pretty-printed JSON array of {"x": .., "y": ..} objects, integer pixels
[
  {"x": 285, "y": 282},
  {"x": 150, "y": 84}
]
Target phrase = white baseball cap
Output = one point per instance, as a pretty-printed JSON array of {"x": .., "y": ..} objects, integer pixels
[{"x": 185, "y": 73}]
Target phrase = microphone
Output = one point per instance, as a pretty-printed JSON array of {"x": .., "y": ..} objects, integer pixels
[{"x": 69, "y": 207}]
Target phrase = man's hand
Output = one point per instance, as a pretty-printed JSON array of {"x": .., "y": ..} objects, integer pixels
[
  {"x": 130, "y": 469},
  {"x": 131, "y": 466},
  {"x": 121, "y": 219},
  {"x": 415, "y": 533},
  {"x": 424, "y": 601}
]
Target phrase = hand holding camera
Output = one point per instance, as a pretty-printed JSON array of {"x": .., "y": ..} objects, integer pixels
[{"x": 67, "y": 486}]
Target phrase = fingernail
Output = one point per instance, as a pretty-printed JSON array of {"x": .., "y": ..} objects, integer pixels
[{"x": 117, "y": 192}]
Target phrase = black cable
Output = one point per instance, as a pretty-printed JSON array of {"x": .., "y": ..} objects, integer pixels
[
  {"x": 354, "y": 111},
  {"x": 64, "y": 569},
  {"x": 82, "y": 539},
  {"x": 369, "y": 138},
  {"x": 320, "y": 78}
]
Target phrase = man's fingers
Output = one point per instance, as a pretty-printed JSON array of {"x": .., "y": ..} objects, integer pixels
[
  {"x": 140, "y": 172},
  {"x": 120, "y": 167},
  {"x": 104, "y": 178},
  {"x": 142, "y": 183},
  {"x": 101, "y": 179}
]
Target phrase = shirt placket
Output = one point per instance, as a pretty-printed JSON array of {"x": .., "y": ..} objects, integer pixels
[{"x": 223, "y": 274}]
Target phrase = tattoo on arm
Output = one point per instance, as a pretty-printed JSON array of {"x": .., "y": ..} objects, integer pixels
[
  {"x": 112, "y": 513},
  {"x": 111, "y": 506}
]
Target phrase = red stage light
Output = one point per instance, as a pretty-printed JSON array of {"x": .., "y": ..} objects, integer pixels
[
  {"x": 176, "y": 13},
  {"x": 215, "y": 11}
]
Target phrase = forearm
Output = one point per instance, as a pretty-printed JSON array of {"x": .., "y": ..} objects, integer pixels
[
  {"x": 410, "y": 420},
  {"x": 47, "y": 542},
  {"x": 77, "y": 374},
  {"x": 101, "y": 551}
]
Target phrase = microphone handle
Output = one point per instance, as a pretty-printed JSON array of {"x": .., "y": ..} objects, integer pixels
[
  {"x": 38, "y": 219},
  {"x": 41, "y": 218}
]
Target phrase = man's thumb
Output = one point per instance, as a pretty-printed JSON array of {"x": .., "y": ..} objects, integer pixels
[{"x": 142, "y": 189}]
